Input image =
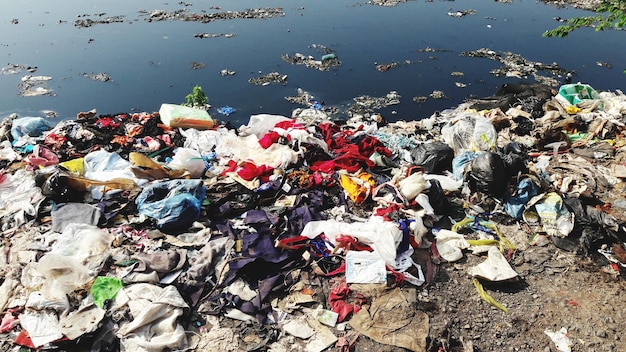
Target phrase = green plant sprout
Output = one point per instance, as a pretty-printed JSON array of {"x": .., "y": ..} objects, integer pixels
[{"x": 196, "y": 99}]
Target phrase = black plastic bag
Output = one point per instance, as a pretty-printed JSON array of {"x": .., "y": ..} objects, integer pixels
[
  {"x": 434, "y": 157},
  {"x": 438, "y": 199},
  {"x": 488, "y": 174}
]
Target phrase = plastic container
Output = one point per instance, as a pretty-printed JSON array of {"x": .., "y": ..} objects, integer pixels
[{"x": 179, "y": 116}]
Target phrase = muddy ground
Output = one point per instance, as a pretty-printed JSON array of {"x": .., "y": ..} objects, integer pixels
[{"x": 556, "y": 289}]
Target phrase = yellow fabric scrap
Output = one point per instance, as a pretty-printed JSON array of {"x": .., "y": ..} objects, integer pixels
[
  {"x": 358, "y": 187},
  {"x": 573, "y": 109}
]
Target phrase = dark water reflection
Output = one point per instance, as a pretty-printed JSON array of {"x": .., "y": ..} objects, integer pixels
[{"x": 151, "y": 62}]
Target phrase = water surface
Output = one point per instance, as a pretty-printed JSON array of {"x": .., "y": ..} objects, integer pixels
[{"x": 150, "y": 63}]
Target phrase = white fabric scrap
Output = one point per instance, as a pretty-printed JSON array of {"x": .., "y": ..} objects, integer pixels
[
  {"x": 241, "y": 289},
  {"x": 6, "y": 290},
  {"x": 42, "y": 326},
  {"x": 495, "y": 268},
  {"x": 383, "y": 236},
  {"x": 299, "y": 328},
  {"x": 450, "y": 244},
  {"x": 155, "y": 313}
]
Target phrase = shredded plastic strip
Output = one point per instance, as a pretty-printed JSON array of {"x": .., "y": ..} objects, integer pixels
[
  {"x": 487, "y": 226},
  {"x": 482, "y": 242},
  {"x": 487, "y": 298}
]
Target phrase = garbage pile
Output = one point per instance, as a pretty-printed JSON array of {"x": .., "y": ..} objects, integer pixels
[{"x": 170, "y": 231}]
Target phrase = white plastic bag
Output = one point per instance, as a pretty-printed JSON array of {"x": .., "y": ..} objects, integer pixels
[
  {"x": 260, "y": 124},
  {"x": 188, "y": 159}
]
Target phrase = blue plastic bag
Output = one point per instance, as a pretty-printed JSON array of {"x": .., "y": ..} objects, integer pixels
[
  {"x": 175, "y": 204},
  {"x": 514, "y": 204},
  {"x": 226, "y": 110},
  {"x": 460, "y": 161},
  {"x": 29, "y": 126}
]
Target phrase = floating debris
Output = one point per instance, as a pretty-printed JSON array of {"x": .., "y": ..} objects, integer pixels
[
  {"x": 366, "y": 104},
  {"x": 389, "y": 66},
  {"x": 214, "y": 35},
  {"x": 461, "y": 13},
  {"x": 432, "y": 50},
  {"x": 12, "y": 69},
  {"x": 302, "y": 98},
  {"x": 327, "y": 61},
  {"x": 227, "y": 72},
  {"x": 386, "y": 67},
  {"x": 272, "y": 77},
  {"x": 460, "y": 85},
  {"x": 32, "y": 86},
  {"x": 102, "y": 76},
  {"x": 185, "y": 15},
  {"x": 314, "y": 111},
  {"x": 387, "y": 3},
  {"x": 88, "y": 22},
  {"x": 226, "y": 110},
  {"x": 420, "y": 99},
  {"x": 457, "y": 74},
  {"x": 195, "y": 65},
  {"x": 50, "y": 113},
  {"x": 514, "y": 65},
  {"x": 437, "y": 94}
]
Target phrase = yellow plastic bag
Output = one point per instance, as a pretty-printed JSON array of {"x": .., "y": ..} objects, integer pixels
[{"x": 75, "y": 165}]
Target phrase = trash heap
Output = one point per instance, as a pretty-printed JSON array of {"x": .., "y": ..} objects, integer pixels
[{"x": 169, "y": 231}]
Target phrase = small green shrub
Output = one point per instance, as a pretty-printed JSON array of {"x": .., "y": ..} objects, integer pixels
[{"x": 196, "y": 99}]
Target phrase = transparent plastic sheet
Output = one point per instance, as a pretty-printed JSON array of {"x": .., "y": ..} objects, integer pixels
[
  {"x": 101, "y": 165},
  {"x": 260, "y": 124},
  {"x": 73, "y": 261},
  {"x": 383, "y": 236},
  {"x": 469, "y": 131},
  {"x": 19, "y": 198}
]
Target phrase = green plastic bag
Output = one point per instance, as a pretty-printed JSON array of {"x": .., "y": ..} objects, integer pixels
[
  {"x": 105, "y": 288},
  {"x": 577, "y": 92}
]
